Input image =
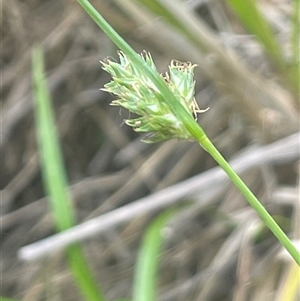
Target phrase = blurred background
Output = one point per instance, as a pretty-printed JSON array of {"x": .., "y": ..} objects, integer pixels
[{"x": 217, "y": 250}]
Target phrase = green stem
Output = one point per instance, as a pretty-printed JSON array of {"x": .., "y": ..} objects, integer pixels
[
  {"x": 253, "y": 201},
  {"x": 294, "y": 74},
  {"x": 168, "y": 96},
  {"x": 192, "y": 126},
  {"x": 295, "y": 34}
]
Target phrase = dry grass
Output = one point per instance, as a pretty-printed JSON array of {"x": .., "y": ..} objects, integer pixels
[{"x": 219, "y": 250}]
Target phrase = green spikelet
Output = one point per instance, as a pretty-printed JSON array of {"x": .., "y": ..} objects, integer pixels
[{"x": 139, "y": 95}]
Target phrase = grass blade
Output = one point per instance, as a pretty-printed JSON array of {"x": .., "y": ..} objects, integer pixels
[
  {"x": 51, "y": 160},
  {"x": 249, "y": 14},
  {"x": 145, "y": 282},
  {"x": 55, "y": 177},
  {"x": 296, "y": 34},
  {"x": 295, "y": 72},
  {"x": 291, "y": 288}
]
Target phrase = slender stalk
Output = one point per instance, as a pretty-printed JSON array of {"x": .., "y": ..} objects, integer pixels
[
  {"x": 296, "y": 34},
  {"x": 169, "y": 97},
  {"x": 295, "y": 73},
  {"x": 253, "y": 201},
  {"x": 192, "y": 126}
]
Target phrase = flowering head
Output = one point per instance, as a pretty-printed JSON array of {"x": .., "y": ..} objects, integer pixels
[{"x": 137, "y": 93}]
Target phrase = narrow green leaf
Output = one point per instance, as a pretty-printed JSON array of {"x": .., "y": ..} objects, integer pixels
[
  {"x": 146, "y": 272},
  {"x": 51, "y": 160},
  {"x": 8, "y": 299},
  {"x": 296, "y": 33},
  {"x": 82, "y": 273},
  {"x": 252, "y": 18},
  {"x": 55, "y": 177},
  {"x": 294, "y": 72},
  {"x": 157, "y": 8},
  {"x": 250, "y": 15}
]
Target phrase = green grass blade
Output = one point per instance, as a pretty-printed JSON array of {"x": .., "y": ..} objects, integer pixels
[
  {"x": 83, "y": 275},
  {"x": 296, "y": 32},
  {"x": 55, "y": 177},
  {"x": 294, "y": 72},
  {"x": 51, "y": 160},
  {"x": 157, "y": 8},
  {"x": 146, "y": 272},
  {"x": 8, "y": 299},
  {"x": 249, "y": 14}
]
